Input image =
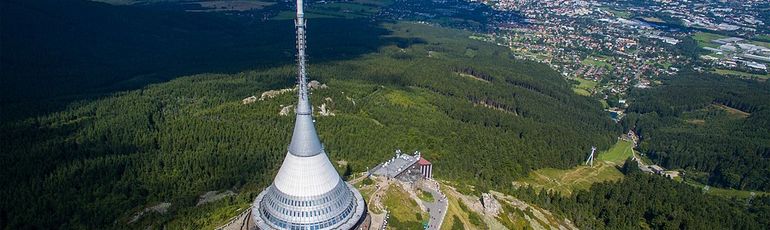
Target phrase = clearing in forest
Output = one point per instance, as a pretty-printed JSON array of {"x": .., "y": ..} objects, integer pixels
[
  {"x": 566, "y": 181},
  {"x": 733, "y": 111},
  {"x": 618, "y": 154},
  {"x": 585, "y": 87}
]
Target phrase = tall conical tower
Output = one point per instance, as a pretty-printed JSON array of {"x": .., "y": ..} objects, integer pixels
[{"x": 307, "y": 193}]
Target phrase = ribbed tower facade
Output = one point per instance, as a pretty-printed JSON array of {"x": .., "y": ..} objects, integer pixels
[{"x": 307, "y": 192}]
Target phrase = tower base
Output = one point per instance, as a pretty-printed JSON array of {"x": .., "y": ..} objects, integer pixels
[{"x": 359, "y": 220}]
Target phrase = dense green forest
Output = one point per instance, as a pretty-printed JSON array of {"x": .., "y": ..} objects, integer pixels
[
  {"x": 95, "y": 163},
  {"x": 89, "y": 49},
  {"x": 717, "y": 129},
  {"x": 147, "y": 109},
  {"x": 643, "y": 201}
]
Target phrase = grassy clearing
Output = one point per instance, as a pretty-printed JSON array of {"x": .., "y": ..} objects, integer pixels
[
  {"x": 732, "y": 111},
  {"x": 618, "y": 154},
  {"x": 704, "y": 39},
  {"x": 728, "y": 193},
  {"x": 426, "y": 196},
  {"x": 399, "y": 98},
  {"x": 765, "y": 37},
  {"x": 570, "y": 180},
  {"x": 585, "y": 87},
  {"x": 587, "y": 84},
  {"x": 404, "y": 212},
  {"x": 741, "y": 74},
  {"x": 763, "y": 44},
  {"x": 566, "y": 181},
  {"x": 597, "y": 61},
  {"x": 581, "y": 92},
  {"x": 618, "y": 13},
  {"x": 472, "y": 77}
]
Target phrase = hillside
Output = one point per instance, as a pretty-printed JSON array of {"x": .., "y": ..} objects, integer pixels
[
  {"x": 102, "y": 160},
  {"x": 82, "y": 50},
  {"x": 713, "y": 128}
]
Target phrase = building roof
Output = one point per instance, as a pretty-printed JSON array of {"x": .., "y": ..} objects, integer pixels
[
  {"x": 395, "y": 165},
  {"x": 422, "y": 161}
]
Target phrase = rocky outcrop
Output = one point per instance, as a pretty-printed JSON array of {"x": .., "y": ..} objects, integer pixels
[
  {"x": 285, "y": 110},
  {"x": 316, "y": 85},
  {"x": 491, "y": 205},
  {"x": 212, "y": 196},
  {"x": 159, "y": 208},
  {"x": 537, "y": 218},
  {"x": 249, "y": 100},
  {"x": 274, "y": 93},
  {"x": 325, "y": 110}
]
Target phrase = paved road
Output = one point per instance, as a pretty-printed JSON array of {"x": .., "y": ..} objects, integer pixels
[{"x": 437, "y": 208}]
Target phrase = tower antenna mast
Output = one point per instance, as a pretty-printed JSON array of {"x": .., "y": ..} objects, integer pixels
[
  {"x": 303, "y": 107},
  {"x": 307, "y": 192}
]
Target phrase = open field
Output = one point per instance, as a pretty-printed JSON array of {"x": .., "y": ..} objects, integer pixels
[
  {"x": 585, "y": 87},
  {"x": 566, "y": 181},
  {"x": 581, "y": 177},
  {"x": 732, "y": 111},
  {"x": 764, "y": 44},
  {"x": 723, "y": 192},
  {"x": 618, "y": 13},
  {"x": 704, "y": 39},
  {"x": 741, "y": 74},
  {"x": 618, "y": 153},
  {"x": 581, "y": 92},
  {"x": 598, "y": 61}
]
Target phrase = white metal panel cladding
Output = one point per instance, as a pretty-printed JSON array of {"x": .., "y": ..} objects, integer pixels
[
  {"x": 347, "y": 219},
  {"x": 306, "y": 176},
  {"x": 335, "y": 205}
]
